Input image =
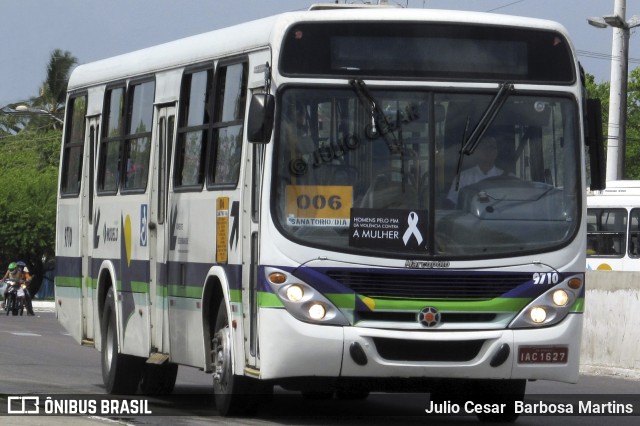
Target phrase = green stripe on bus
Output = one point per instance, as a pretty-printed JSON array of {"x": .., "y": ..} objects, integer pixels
[
  {"x": 185, "y": 291},
  {"x": 342, "y": 301},
  {"x": 269, "y": 300},
  {"x": 494, "y": 305},
  {"x": 578, "y": 306},
  {"x": 68, "y": 281}
]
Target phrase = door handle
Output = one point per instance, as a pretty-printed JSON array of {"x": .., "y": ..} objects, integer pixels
[{"x": 152, "y": 225}]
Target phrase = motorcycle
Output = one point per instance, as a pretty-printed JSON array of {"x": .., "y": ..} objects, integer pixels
[{"x": 14, "y": 302}]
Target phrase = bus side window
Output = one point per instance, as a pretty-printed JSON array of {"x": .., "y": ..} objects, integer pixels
[
  {"x": 193, "y": 131},
  {"x": 138, "y": 136},
  {"x": 634, "y": 233},
  {"x": 229, "y": 109},
  {"x": 109, "y": 157},
  {"x": 73, "y": 148}
]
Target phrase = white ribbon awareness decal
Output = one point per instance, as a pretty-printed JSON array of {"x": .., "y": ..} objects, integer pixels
[{"x": 413, "y": 229}]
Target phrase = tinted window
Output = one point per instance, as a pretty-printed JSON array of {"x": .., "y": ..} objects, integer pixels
[
  {"x": 73, "y": 147},
  {"x": 427, "y": 50}
]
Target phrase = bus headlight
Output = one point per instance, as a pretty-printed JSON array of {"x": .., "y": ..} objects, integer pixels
[
  {"x": 560, "y": 297},
  {"x": 295, "y": 293},
  {"x": 303, "y": 301},
  {"x": 538, "y": 314},
  {"x": 550, "y": 307},
  {"x": 317, "y": 311}
]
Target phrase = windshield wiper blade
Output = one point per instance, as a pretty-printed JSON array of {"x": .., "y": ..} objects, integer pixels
[
  {"x": 379, "y": 123},
  {"x": 470, "y": 144},
  {"x": 487, "y": 118}
]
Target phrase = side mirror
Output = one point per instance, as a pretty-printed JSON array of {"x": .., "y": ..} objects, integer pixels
[
  {"x": 596, "y": 145},
  {"x": 260, "y": 123}
]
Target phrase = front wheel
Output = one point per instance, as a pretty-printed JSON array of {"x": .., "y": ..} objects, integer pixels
[
  {"x": 120, "y": 372},
  {"x": 499, "y": 393},
  {"x": 235, "y": 395}
]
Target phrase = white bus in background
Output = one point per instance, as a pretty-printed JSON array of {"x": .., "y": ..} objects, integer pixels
[
  {"x": 613, "y": 227},
  {"x": 270, "y": 203}
]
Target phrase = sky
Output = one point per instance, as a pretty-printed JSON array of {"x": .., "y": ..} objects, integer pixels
[{"x": 95, "y": 29}]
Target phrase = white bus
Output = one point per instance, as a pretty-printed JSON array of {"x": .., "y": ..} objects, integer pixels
[
  {"x": 613, "y": 227},
  {"x": 281, "y": 203}
]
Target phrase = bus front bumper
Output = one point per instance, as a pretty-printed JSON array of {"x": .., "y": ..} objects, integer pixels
[{"x": 291, "y": 348}]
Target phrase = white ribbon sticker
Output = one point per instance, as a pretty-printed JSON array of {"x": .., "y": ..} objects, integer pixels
[{"x": 412, "y": 230}]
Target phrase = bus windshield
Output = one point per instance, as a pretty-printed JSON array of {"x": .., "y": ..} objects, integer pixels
[{"x": 383, "y": 172}]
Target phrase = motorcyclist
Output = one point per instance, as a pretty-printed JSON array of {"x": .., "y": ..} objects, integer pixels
[
  {"x": 16, "y": 273},
  {"x": 26, "y": 280},
  {"x": 13, "y": 273}
]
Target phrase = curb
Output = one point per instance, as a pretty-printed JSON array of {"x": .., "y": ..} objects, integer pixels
[{"x": 43, "y": 305}]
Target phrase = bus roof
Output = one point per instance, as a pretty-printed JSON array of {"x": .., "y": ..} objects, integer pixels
[
  {"x": 620, "y": 193},
  {"x": 242, "y": 38}
]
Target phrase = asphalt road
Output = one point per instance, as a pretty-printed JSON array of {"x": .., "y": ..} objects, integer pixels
[{"x": 38, "y": 358}]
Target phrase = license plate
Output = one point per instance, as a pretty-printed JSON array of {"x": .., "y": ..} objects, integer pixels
[{"x": 543, "y": 354}]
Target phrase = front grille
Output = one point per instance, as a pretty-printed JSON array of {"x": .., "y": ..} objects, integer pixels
[
  {"x": 412, "y": 317},
  {"x": 429, "y": 285},
  {"x": 417, "y": 350}
]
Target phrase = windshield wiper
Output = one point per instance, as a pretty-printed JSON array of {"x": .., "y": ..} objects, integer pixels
[
  {"x": 487, "y": 118},
  {"x": 379, "y": 123},
  {"x": 470, "y": 144}
]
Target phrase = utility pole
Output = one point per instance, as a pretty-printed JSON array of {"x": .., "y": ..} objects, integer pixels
[{"x": 616, "y": 141}]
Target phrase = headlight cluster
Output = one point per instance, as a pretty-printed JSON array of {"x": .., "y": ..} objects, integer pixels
[
  {"x": 303, "y": 301},
  {"x": 551, "y": 307}
]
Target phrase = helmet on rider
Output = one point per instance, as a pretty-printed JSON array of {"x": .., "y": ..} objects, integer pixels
[{"x": 12, "y": 266}]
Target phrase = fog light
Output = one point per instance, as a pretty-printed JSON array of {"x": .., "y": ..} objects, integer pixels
[
  {"x": 538, "y": 314},
  {"x": 295, "y": 293},
  {"x": 560, "y": 297},
  {"x": 317, "y": 311}
]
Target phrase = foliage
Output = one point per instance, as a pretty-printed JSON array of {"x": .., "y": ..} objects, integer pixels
[
  {"x": 632, "y": 151},
  {"x": 28, "y": 181},
  {"x": 53, "y": 91},
  {"x": 632, "y": 159}
]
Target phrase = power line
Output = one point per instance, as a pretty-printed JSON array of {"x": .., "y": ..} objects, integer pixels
[{"x": 604, "y": 56}]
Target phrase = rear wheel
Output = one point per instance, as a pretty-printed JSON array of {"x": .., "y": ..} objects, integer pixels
[
  {"x": 21, "y": 305},
  {"x": 120, "y": 373},
  {"x": 14, "y": 306},
  {"x": 235, "y": 395},
  {"x": 158, "y": 379}
]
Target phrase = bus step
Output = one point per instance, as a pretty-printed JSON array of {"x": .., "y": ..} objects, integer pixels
[
  {"x": 158, "y": 358},
  {"x": 88, "y": 342}
]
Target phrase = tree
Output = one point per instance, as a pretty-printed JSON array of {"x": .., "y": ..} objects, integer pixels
[
  {"x": 53, "y": 91},
  {"x": 28, "y": 181},
  {"x": 632, "y": 151}
]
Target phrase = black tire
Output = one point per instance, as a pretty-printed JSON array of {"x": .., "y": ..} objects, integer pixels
[
  {"x": 352, "y": 394},
  {"x": 317, "y": 395},
  {"x": 505, "y": 392},
  {"x": 483, "y": 392},
  {"x": 120, "y": 373},
  {"x": 21, "y": 306},
  {"x": 158, "y": 379},
  {"x": 234, "y": 395}
]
